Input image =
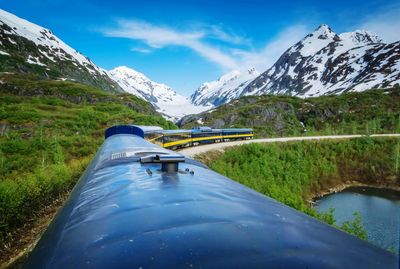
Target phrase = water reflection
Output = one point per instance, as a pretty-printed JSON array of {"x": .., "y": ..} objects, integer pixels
[{"x": 379, "y": 210}]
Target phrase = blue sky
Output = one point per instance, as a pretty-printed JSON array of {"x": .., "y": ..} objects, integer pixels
[{"x": 185, "y": 43}]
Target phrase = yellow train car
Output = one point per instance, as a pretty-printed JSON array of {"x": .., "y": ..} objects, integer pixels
[{"x": 174, "y": 139}]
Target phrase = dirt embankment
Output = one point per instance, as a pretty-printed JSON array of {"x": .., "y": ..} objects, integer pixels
[{"x": 20, "y": 242}]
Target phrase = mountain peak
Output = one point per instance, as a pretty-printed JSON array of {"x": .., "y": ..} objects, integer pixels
[
  {"x": 227, "y": 87},
  {"x": 323, "y": 28},
  {"x": 361, "y": 37},
  {"x": 165, "y": 99},
  {"x": 313, "y": 42},
  {"x": 126, "y": 72},
  {"x": 323, "y": 32},
  {"x": 326, "y": 63},
  {"x": 252, "y": 71},
  {"x": 230, "y": 75}
]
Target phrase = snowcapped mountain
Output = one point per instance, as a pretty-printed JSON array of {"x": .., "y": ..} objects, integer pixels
[
  {"x": 166, "y": 101},
  {"x": 29, "y": 48},
  {"x": 226, "y": 88},
  {"x": 324, "y": 63}
]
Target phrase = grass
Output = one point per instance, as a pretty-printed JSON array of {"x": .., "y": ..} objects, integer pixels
[
  {"x": 369, "y": 112},
  {"x": 49, "y": 132}
]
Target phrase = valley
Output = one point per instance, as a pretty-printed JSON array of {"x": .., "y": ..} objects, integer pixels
[
  {"x": 323, "y": 63},
  {"x": 332, "y": 98}
]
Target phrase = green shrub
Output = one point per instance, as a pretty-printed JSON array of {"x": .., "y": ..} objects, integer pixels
[
  {"x": 355, "y": 227},
  {"x": 49, "y": 140},
  {"x": 294, "y": 172}
]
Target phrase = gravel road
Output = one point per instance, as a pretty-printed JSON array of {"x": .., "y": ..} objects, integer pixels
[{"x": 191, "y": 152}]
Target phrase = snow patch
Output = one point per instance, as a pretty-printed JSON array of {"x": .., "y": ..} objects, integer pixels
[
  {"x": 226, "y": 88},
  {"x": 44, "y": 37},
  {"x": 34, "y": 60}
]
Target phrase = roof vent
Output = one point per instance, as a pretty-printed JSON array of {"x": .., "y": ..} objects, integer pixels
[{"x": 169, "y": 163}]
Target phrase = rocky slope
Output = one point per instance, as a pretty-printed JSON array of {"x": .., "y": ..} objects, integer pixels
[
  {"x": 29, "y": 48},
  {"x": 322, "y": 63},
  {"x": 270, "y": 115},
  {"x": 165, "y": 100},
  {"x": 327, "y": 63}
]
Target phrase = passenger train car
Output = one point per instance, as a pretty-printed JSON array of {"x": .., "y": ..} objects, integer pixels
[
  {"x": 174, "y": 139},
  {"x": 139, "y": 205}
]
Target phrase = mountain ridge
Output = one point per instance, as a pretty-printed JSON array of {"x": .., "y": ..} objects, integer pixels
[
  {"x": 322, "y": 63},
  {"x": 26, "y": 47},
  {"x": 165, "y": 99},
  {"x": 227, "y": 87}
]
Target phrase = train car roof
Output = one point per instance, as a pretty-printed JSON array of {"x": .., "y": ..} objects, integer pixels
[
  {"x": 205, "y": 130},
  {"x": 150, "y": 129},
  {"x": 237, "y": 129},
  {"x": 176, "y": 131},
  {"x": 127, "y": 214}
]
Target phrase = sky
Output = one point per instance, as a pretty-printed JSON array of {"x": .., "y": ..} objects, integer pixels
[{"x": 185, "y": 43}]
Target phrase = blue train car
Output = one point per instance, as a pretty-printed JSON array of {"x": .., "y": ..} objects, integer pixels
[
  {"x": 206, "y": 135},
  {"x": 237, "y": 133},
  {"x": 139, "y": 205},
  {"x": 174, "y": 139}
]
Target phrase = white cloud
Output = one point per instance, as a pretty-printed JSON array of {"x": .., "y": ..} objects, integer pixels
[
  {"x": 199, "y": 40},
  {"x": 269, "y": 54},
  {"x": 216, "y": 32},
  {"x": 159, "y": 36},
  {"x": 141, "y": 50},
  {"x": 386, "y": 23}
]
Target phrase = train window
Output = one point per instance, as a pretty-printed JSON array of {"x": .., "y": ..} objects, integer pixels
[{"x": 176, "y": 137}]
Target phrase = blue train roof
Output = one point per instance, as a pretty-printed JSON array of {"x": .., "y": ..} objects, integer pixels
[
  {"x": 127, "y": 214},
  {"x": 237, "y": 130},
  {"x": 202, "y": 128},
  {"x": 150, "y": 129},
  {"x": 176, "y": 131},
  {"x": 124, "y": 129},
  {"x": 156, "y": 129}
]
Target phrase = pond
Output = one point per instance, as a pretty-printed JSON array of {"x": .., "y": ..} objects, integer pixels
[{"x": 379, "y": 210}]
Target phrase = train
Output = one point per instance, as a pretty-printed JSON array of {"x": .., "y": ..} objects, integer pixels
[
  {"x": 139, "y": 205},
  {"x": 176, "y": 139}
]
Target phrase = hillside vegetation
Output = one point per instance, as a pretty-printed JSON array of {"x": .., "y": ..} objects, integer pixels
[
  {"x": 369, "y": 112},
  {"x": 294, "y": 172},
  {"x": 49, "y": 131}
]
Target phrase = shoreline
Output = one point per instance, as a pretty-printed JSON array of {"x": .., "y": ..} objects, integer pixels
[{"x": 348, "y": 184}]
